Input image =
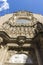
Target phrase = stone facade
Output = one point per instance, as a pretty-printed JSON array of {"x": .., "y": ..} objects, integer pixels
[{"x": 21, "y": 34}]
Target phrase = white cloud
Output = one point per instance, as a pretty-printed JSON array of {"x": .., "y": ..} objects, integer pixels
[{"x": 4, "y": 5}]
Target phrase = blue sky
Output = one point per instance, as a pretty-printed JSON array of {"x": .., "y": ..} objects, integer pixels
[{"x": 35, "y": 6}]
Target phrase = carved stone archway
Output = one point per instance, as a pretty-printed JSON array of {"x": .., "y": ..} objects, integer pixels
[{"x": 21, "y": 34}]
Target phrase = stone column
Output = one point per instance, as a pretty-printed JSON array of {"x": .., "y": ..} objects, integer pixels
[
  {"x": 38, "y": 55},
  {"x": 2, "y": 55}
]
